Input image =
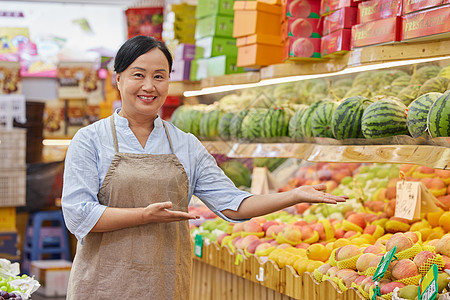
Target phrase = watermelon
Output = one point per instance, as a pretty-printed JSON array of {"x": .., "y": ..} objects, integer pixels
[
  {"x": 408, "y": 94},
  {"x": 436, "y": 84},
  {"x": 295, "y": 129},
  {"x": 236, "y": 124},
  {"x": 237, "y": 172},
  {"x": 305, "y": 123},
  {"x": 224, "y": 125},
  {"x": 438, "y": 120},
  {"x": 384, "y": 118},
  {"x": 346, "y": 120},
  {"x": 251, "y": 125},
  {"x": 321, "y": 119},
  {"x": 270, "y": 162},
  {"x": 343, "y": 82},
  {"x": 424, "y": 73},
  {"x": 192, "y": 120},
  {"x": 276, "y": 122},
  {"x": 401, "y": 81},
  {"x": 445, "y": 72},
  {"x": 360, "y": 90},
  {"x": 418, "y": 113},
  {"x": 362, "y": 79},
  {"x": 209, "y": 124}
]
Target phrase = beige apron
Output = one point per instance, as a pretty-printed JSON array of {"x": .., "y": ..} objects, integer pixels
[{"x": 150, "y": 261}]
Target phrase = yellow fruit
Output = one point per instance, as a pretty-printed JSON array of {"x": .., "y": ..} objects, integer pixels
[
  {"x": 444, "y": 221},
  {"x": 293, "y": 259},
  {"x": 359, "y": 241},
  {"x": 330, "y": 246},
  {"x": 341, "y": 243},
  {"x": 437, "y": 233},
  {"x": 283, "y": 258},
  {"x": 420, "y": 225},
  {"x": 318, "y": 252},
  {"x": 425, "y": 232},
  {"x": 433, "y": 218},
  {"x": 312, "y": 265},
  {"x": 300, "y": 265}
]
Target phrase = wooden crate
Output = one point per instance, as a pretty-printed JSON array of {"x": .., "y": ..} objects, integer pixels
[{"x": 222, "y": 274}]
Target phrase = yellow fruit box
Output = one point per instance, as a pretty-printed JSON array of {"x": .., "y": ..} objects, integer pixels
[
  {"x": 252, "y": 17},
  {"x": 258, "y": 50},
  {"x": 7, "y": 218}
]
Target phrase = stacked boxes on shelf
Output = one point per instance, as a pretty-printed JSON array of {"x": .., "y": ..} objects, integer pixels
[
  {"x": 257, "y": 28},
  {"x": 181, "y": 69},
  {"x": 215, "y": 47},
  {"x": 184, "y": 23},
  {"x": 379, "y": 23},
  {"x": 302, "y": 29},
  {"x": 337, "y": 31}
]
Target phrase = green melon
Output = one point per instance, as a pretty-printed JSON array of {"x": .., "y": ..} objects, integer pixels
[
  {"x": 224, "y": 125},
  {"x": 424, "y": 73},
  {"x": 251, "y": 125},
  {"x": 209, "y": 124},
  {"x": 384, "y": 118},
  {"x": 192, "y": 121},
  {"x": 445, "y": 72},
  {"x": 401, "y": 81},
  {"x": 237, "y": 172},
  {"x": 438, "y": 120},
  {"x": 305, "y": 123},
  {"x": 295, "y": 129},
  {"x": 275, "y": 122},
  {"x": 359, "y": 90},
  {"x": 321, "y": 119},
  {"x": 436, "y": 84},
  {"x": 408, "y": 94},
  {"x": 346, "y": 120},
  {"x": 236, "y": 124},
  {"x": 418, "y": 113}
]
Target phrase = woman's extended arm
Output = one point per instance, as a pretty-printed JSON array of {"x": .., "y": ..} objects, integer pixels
[{"x": 258, "y": 205}]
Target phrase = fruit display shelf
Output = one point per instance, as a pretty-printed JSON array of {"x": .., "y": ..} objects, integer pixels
[
  {"x": 437, "y": 157},
  {"x": 239, "y": 277}
]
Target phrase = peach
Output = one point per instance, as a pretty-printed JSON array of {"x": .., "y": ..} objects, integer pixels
[
  {"x": 324, "y": 268},
  {"x": 263, "y": 246},
  {"x": 374, "y": 249},
  {"x": 357, "y": 219},
  {"x": 339, "y": 233},
  {"x": 302, "y": 28},
  {"x": 360, "y": 279},
  {"x": 446, "y": 258},
  {"x": 445, "y": 201},
  {"x": 364, "y": 260},
  {"x": 292, "y": 233},
  {"x": 274, "y": 230},
  {"x": 302, "y": 47},
  {"x": 319, "y": 228},
  {"x": 300, "y": 223},
  {"x": 221, "y": 237},
  {"x": 375, "y": 261},
  {"x": 442, "y": 173},
  {"x": 267, "y": 224},
  {"x": 284, "y": 246},
  {"x": 443, "y": 246},
  {"x": 391, "y": 192},
  {"x": 367, "y": 283},
  {"x": 244, "y": 242},
  {"x": 389, "y": 287},
  {"x": 370, "y": 229},
  {"x": 306, "y": 232},
  {"x": 446, "y": 266},
  {"x": 238, "y": 227},
  {"x": 236, "y": 239},
  {"x": 252, "y": 226},
  {"x": 251, "y": 247},
  {"x": 332, "y": 271},
  {"x": 404, "y": 268},
  {"x": 413, "y": 236},
  {"x": 349, "y": 234},
  {"x": 425, "y": 170},
  {"x": 302, "y": 245},
  {"x": 346, "y": 252},
  {"x": 349, "y": 278},
  {"x": 422, "y": 257},
  {"x": 400, "y": 240},
  {"x": 341, "y": 273},
  {"x": 300, "y": 9}
]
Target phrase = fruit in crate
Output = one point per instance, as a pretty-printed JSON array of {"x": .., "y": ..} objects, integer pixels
[
  {"x": 418, "y": 113},
  {"x": 275, "y": 122},
  {"x": 438, "y": 121},
  {"x": 251, "y": 124},
  {"x": 436, "y": 84},
  {"x": 346, "y": 119},
  {"x": 404, "y": 268},
  {"x": 321, "y": 119},
  {"x": 389, "y": 287}
]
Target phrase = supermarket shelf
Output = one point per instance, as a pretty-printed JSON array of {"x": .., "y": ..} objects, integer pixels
[
  {"x": 240, "y": 78},
  {"x": 177, "y": 88},
  {"x": 432, "y": 156}
]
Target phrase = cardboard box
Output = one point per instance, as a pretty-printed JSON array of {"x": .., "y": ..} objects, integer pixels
[
  {"x": 53, "y": 275},
  {"x": 340, "y": 19},
  {"x": 214, "y": 66},
  {"x": 259, "y": 50},
  {"x": 301, "y": 8},
  {"x": 302, "y": 49},
  {"x": 336, "y": 43},
  {"x": 181, "y": 70},
  {"x": 300, "y": 27},
  {"x": 214, "y": 7},
  {"x": 369, "y": 11},
  {"x": 410, "y": 6},
  {"x": 252, "y": 17},
  {"x": 215, "y": 46},
  {"x": 214, "y": 26},
  {"x": 7, "y": 219},
  {"x": 426, "y": 25},
  {"x": 382, "y": 31},
  {"x": 184, "y": 52},
  {"x": 8, "y": 244},
  {"x": 274, "y": 2},
  {"x": 329, "y": 6}
]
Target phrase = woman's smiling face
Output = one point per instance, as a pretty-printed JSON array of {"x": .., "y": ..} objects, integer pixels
[{"x": 144, "y": 85}]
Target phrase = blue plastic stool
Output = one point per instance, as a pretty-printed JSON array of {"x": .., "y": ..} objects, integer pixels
[{"x": 40, "y": 240}]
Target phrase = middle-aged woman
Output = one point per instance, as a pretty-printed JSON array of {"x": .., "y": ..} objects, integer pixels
[{"x": 127, "y": 184}]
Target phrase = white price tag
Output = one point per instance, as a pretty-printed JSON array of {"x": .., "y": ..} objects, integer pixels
[{"x": 407, "y": 204}]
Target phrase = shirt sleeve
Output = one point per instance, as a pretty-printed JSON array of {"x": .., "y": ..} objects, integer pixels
[
  {"x": 213, "y": 187},
  {"x": 79, "y": 201}
]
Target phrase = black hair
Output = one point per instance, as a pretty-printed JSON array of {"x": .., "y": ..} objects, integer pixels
[{"x": 135, "y": 47}]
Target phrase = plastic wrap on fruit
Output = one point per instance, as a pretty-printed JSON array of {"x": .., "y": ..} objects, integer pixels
[{"x": 24, "y": 286}]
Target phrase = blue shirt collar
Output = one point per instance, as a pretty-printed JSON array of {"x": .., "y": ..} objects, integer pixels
[{"x": 123, "y": 122}]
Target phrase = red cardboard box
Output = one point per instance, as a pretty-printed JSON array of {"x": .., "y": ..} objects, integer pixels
[
  {"x": 336, "y": 43},
  {"x": 301, "y": 8},
  {"x": 328, "y": 6},
  {"x": 302, "y": 49},
  {"x": 377, "y": 32},
  {"x": 340, "y": 19},
  {"x": 300, "y": 27},
  {"x": 369, "y": 11},
  {"x": 410, "y": 6},
  {"x": 429, "y": 24}
]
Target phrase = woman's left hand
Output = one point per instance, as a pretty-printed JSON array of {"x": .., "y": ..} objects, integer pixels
[{"x": 316, "y": 194}]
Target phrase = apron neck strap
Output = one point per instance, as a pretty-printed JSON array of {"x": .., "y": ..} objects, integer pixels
[
  {"x": 168, "y": 137},
  {"x": 114, "y": 134}
]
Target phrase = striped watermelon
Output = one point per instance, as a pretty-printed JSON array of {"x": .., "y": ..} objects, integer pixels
[
  {"x": 209, "y": 124},
  {"x": 305, "y": 123},
  {"x": 236, "y": 124},
  {"x": 295, "y": 129},
  {"x": 438, "y": 120},
  {"x": 321, "y": 119},
  {"x": 418, "y": 113},
  {"x": 192, "y": 121},
  {"x": 251, "y": 125},
  {"x": 276, "y": 122},
  {"x": 436, "y": 84},
  {"x": 384, "y": 118},
  {"x": 346, "y": 121},
  {"x": 224, "y": 125}
]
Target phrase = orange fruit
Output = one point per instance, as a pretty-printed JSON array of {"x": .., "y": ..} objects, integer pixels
[
  {"x": 312, "y": 265},
  {"x": 444, "y": 221},
  {"x": 433, "y": 218},
  {"x": 318, "y": 252}
]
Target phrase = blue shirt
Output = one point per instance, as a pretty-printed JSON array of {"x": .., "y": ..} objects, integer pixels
[{"x": 92, "y": 149}]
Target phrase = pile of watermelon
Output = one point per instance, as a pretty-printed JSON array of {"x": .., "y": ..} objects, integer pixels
[{"x": 371, "y": 105}]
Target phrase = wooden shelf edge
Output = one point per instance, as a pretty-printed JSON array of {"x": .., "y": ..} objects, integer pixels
[{"x": 437, "y": 157}]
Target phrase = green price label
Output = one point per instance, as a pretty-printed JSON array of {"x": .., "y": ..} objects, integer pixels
[
  {"x": 198, "y": 245},
  {"x": 428, "y": 285},
  {"x": 384, "y": 264}
]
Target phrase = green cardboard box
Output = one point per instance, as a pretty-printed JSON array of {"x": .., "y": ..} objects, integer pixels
[
  {"x": 221, "y": 26},
  {"x": 215, "y": 46},
  {"x": 214, "y": 7},
  {"x": 214, "y": 66}
]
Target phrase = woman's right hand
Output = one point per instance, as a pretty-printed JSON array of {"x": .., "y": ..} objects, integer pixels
[{"x": 161, "y": 213}]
